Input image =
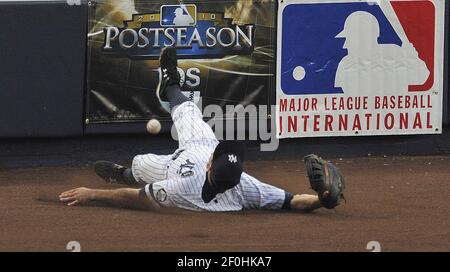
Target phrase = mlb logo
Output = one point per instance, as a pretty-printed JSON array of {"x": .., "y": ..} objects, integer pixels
[
  {"x": 357, "y": 48},
  {"x": 178, "y": 15}
]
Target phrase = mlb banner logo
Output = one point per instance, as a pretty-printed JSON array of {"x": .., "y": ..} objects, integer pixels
[
  {"x": 328, "y": 36},
  {"x": 178, "y": 15},
  {"x": 195, "y": 34},
  {"x": 360, "y": 51}
]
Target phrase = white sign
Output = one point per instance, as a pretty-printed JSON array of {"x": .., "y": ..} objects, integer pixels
[{"x": 359, "y": 67}]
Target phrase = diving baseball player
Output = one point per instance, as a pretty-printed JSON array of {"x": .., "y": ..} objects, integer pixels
[{"x": 202, "y": 174}]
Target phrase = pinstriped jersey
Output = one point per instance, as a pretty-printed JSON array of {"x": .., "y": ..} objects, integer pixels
[{"x": 182, "y": 183}]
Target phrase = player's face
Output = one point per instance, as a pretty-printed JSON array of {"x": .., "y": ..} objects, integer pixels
[
  {"x": 210, "y": 180},
  {"x": 208, "y": 166}
]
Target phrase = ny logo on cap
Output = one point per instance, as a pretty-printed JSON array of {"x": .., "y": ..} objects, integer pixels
[{"x": 232, "y": 158}]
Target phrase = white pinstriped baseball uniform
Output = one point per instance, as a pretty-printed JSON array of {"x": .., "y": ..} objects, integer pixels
[{"x": 176, "y": 180}]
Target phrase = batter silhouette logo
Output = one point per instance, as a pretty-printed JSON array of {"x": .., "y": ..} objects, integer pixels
[
  {"x": 349, "y": 67},
  {"x": 178, "y": 15},
  {"x": 358, "y": 48}
]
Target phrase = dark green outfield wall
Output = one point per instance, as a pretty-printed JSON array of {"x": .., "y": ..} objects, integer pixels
[{"x": 42, "y": 71}]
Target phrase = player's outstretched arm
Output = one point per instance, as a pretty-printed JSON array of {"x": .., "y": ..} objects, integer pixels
[
  {"x": 124, "y": 197},
  {"x": 305, "y": 203}
]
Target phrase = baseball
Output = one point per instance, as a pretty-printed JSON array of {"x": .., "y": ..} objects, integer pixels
[{"x": 153, "y": 126}]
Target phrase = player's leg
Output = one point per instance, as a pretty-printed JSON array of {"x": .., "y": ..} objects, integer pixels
[
  {"x": 150, "y": 168},
  {"x": 168, "y": 91},
  {"x": 191, "y": 128},
  {"x": 186, "y": 115},
  {"x": 145, "y": 169},
  {"x": 114, "y": 173}
]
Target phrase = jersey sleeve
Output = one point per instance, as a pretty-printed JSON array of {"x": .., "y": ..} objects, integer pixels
[
  {"x": 259, "y": 195},
  {"x": 161, "y": 192},
  {"x": 168, "y": 193}
]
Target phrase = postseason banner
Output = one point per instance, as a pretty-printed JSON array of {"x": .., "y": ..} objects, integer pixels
[
  {"x": 350, "y": 67},
  {"x": 225, "y": 47}
]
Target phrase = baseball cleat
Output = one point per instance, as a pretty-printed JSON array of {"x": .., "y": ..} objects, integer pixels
[
  {"x": 169, "y": 75},
  {"x": 110, "y": 172}
]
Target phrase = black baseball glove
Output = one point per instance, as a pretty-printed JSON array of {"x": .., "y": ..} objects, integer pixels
[{"x": 324, "y": 176}]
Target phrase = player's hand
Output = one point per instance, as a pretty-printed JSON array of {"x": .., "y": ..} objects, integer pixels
[{"x": 78, "y": 196}]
